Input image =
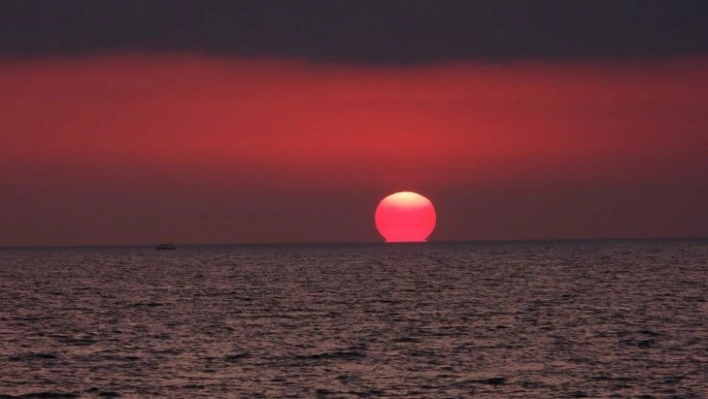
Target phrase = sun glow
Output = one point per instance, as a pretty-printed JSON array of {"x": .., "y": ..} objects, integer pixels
[{"x": 405, "y": 217}]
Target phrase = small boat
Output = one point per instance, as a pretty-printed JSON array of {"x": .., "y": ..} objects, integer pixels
[{"x": 165, "y": 246}]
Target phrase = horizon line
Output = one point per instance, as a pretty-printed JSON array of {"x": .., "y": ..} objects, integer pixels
[{"x": 429, "y": 242}]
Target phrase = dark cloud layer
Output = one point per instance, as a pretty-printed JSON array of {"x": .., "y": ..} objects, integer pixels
[{"x": 400, "y": 31}]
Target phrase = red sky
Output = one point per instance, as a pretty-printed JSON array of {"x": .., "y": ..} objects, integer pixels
[{"x": 192, "y": 149}]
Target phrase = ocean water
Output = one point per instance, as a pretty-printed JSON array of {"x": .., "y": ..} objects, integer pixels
[{"x": 436, "y": 320}]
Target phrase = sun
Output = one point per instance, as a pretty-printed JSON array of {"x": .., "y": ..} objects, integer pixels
[{"x": 405, "y": 217}]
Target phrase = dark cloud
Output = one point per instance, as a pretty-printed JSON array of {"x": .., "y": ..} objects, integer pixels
[{"x": 401, "y": 31}]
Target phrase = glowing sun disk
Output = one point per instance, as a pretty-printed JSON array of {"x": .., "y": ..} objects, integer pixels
[{"x": 405, "y": 217}]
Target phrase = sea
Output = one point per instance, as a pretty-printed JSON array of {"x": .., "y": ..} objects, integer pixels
[{"x": 568, "y": 319}]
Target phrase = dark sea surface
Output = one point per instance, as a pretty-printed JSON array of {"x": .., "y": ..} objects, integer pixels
[{"x": 437, "y": 320}]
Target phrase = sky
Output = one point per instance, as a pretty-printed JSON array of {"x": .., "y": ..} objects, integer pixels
[{"x": 287, "y": 122}]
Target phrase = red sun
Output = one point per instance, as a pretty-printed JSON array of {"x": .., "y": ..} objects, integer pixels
[{"x": 405, "y": 217}]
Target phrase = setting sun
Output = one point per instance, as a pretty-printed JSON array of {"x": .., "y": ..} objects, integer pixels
[{"x": 405, "y": 217}]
